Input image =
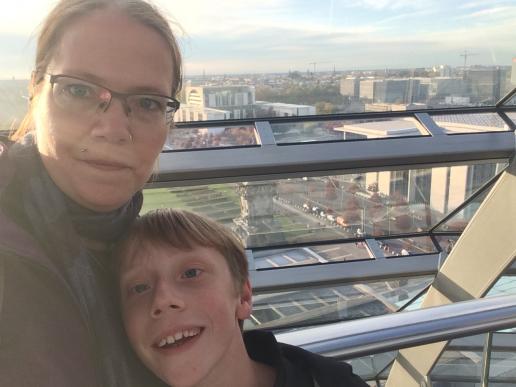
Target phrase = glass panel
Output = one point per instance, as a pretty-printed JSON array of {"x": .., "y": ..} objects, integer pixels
[
  {"x": 506, "y": 285},
  {"x": 470, "y": 123},
  {"x": 13, "y": 102},
  {"x": 456, "y": 365},
  {"x": 368, "y": 367},
  {"x": 503, "y": 367},
  {"x": 512, "y": 115},
  {"x": 461, "y": 219},
  {"x": 416, "y": 304},
  {"x": 346, "y": 130},
  {"x": 212, "y": 137},
  {"x": 304, "y": 210},
  {"x": 310, "y": 255},
  {"x": 447, "y": 242},
  {"x": 407, "y": 246},
  {"x": 511, "y": 102},
  {"x": 335, "y": 303}
]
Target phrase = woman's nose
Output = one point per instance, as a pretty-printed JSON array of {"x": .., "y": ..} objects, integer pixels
[
  {"x": 113, "y": 123},
  {"x": 166, "y": 299}
]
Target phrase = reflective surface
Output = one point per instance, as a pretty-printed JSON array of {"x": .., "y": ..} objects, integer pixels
[
  {"x": 346, "y": 130},
  {"x": 335, "y": 303},
  {"x": 211, "y": 137},
  {"x": 470, "y": 123},
  {"x": 311, "y": 209}
]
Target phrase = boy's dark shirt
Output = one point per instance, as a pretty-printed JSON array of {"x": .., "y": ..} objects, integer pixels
[{"x": 296, "y": 367}]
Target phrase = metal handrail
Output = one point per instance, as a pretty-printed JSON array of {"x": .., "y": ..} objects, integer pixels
[{"x": 380, "y": 334}]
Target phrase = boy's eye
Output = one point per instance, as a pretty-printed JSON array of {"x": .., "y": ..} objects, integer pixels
[
  {"x": 191, "y": 273},
  {"x": 140, "y": 288}
]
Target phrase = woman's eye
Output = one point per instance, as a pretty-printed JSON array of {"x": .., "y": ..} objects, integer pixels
[
  {"x": 140, "y": 288},
  {"x": 150, "y": 104},
  {"x": 191, "y": 273},
  {"x": 79, "y": 91}
]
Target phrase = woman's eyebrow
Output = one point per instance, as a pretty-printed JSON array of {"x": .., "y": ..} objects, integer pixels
[{"x": 140, "y": 89}]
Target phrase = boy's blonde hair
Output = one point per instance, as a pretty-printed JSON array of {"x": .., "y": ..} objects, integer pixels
[{"x": 185, "y": 230}]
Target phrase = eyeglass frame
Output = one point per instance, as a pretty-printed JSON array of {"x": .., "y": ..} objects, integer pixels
[{"x": 173, "y": 103}]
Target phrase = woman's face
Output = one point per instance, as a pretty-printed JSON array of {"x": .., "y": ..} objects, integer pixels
[{"x": 102, "y": 158}]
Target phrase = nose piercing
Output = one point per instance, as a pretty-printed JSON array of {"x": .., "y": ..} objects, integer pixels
[
  {"x": 84, "y": 150},
  {"x": 131, "y": 137}
]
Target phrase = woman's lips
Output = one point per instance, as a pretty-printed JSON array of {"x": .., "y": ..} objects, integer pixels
[{"x": 106, "y": 165}]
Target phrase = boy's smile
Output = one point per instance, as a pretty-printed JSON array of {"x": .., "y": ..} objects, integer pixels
[{"x": 181, "y": 312}]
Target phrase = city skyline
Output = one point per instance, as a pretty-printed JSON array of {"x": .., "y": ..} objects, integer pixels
[{"x": 283, "y": 35}]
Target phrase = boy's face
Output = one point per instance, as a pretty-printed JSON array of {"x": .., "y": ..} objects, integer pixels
[{"x": 181, "y": 312}]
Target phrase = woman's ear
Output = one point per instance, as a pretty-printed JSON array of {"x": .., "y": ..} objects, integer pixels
[{"x": 245, "y": 307}]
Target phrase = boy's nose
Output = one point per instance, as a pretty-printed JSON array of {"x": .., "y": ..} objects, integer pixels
[{"x": 165, "y": 299}]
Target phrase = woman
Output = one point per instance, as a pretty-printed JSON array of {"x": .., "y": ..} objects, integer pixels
[{"x": 101, "y": 105}]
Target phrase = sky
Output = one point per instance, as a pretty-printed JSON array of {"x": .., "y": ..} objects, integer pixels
[{"x": 244, "y": 36}]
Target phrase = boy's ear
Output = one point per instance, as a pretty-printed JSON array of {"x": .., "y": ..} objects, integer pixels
[{"x": 245, "y": 307}]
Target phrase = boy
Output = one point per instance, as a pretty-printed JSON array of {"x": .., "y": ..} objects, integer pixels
[{"x": 185, "y": 292}]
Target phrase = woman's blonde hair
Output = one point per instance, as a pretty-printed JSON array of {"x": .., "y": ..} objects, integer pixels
[{"x": 67, "y": 11}]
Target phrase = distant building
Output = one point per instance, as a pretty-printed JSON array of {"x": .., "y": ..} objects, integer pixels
[
  {"x": 392, "y": 107},
  {"x": 379, "y": 129},
  {"x": 486, "y": 84},
  {"x": 402, "y": 90},
  {"x": 196, "y": 113},
  {"x": 239, "y": 101},
  {"x": 441, "y": 87},
  {"x": 278, "y": 109},
  {"x": 350, "y": 87}
]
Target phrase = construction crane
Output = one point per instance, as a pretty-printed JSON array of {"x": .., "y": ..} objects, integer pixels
[
  {"x": 314, "y": 64},
  {"x": 466, "y": 54}
]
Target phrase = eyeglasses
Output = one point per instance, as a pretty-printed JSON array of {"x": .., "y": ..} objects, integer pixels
[{"x": 87, "y": 98}]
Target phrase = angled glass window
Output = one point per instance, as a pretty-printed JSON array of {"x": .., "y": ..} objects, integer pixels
[
  {"x": 307, "y": 255},
  {"x": 359, "y": 129},
  {"x": 511, "y": 101},
  {"x": 369, "y": 367},
  {"x": 329, "y": 208},
  {"x": 447, "y": 242},
  {"x": 13, "y": 102},
  {"x": 333, "y": 303},
  {"x": 505, "y": 285},
  {"x": 211, "y": 137},
  {"x": 470, "y": 123},
  {"x": 407, "y": 246},
  {"x": 460, "y": 220},
  {"x": 456, "y": 365},
  {"x": 512, "y": 115}
]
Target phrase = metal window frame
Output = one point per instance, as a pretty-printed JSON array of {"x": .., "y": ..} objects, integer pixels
[{"x": 270, "y": 160}]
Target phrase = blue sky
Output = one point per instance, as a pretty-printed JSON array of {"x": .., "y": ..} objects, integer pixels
[{"x": 244, "y": 36}]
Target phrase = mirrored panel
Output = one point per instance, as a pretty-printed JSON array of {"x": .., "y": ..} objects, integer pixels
[
  {"x": 211, "y": 137},
  {"x": 358, "y": 129},
  {"x": 447, "y": 242},
  {"x": 309, "y": 255},
  {"x": 512, "y": 115},
  {"x": 407, "y": 246},
  {"x": 14, "y": 101},
  {"x": 511, "y": 101},
  {"x": 470, "y": 123},
  {"x": 330, "y": 208},
  {"x": 370, "y": 367},
  {"x": 505, "y": 285},
  {"x": 454, "y": 365},
  {"x": 463, "y": 361},
  {"x": 333, "y": 303},
  {"x": 460, "y": 220}
]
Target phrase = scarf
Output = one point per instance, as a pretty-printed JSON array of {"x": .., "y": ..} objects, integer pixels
[{"x": 65, "y": 231}]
